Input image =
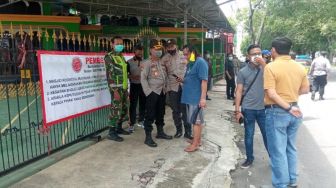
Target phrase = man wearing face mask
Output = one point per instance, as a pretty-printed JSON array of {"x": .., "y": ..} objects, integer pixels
[
  {"x": 194, "y": 94},
  {"x": 249, "y": 102},
  {"x": 153, "y": 81},
  {"x": 116, "y": 73},
  {"x": 176, "y": 68},
  {"x": 136, "y": 92},
  {"x": 230, "y": 78},
  {"x": 266, "y": 54}
]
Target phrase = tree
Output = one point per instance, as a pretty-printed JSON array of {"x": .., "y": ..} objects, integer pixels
[{"x": 311, "y": 24}]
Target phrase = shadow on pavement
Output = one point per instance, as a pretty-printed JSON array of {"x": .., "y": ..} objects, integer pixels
[{"x": 313, "y": 166}]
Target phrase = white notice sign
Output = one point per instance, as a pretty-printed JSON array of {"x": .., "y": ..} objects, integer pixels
[{"x": 72, "y": 84}]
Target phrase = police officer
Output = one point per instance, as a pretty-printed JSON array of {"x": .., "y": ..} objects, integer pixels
[
  {"x": 153, "y": 81},
  {"x": 116, "y": 72},
  {"x": 176, "y": 68},
  {"x": 136, "y": 92}
]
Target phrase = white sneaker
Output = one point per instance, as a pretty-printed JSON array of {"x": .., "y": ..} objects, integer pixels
[
  {"x": 131, "y": 129},
  {"x": 141, "y": 124}
]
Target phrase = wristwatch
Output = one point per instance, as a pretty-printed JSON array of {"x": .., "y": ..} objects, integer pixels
[{"x": 289, "y": 108}]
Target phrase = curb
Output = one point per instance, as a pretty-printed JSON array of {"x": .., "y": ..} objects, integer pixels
[{"x": 31, "y": 169}]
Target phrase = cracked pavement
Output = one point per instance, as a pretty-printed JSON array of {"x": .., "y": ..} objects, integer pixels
[{"x": 133, "y": 164}]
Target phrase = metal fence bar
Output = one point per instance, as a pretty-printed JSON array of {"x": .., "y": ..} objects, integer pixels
[
  {"x": 10, "y": 125},
  {"x": 2, "y": 154},
  {"x": 20, "y": 123}
]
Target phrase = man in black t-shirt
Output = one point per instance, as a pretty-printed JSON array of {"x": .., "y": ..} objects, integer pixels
[{"x": 230, "y": 77}]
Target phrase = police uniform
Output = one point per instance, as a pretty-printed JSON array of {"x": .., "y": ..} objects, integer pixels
[
  {"x": 153, "y": 81},
  {"x": 176, "y": 64},
  {"x": 116, "y": 73}
]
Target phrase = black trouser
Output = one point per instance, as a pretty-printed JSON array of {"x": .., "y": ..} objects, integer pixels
[
  {"x": 179, "y": 111},
  {"x": 209, "y": 83},
  {"x": 230, "y": 87},
  {"x": 137, "y": 94},
  {"x": 155, "y": 110},
  {"x": 319, "y": 83}
]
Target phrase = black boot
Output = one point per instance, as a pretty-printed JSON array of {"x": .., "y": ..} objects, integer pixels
[
  {"x": 114, "y": 136},
  {"x": 178, "y": 132},
  {"x": 120, "y": 130},
  {"x": 162, "y": 135},
  {"x": 149, "y": 141},
  {"x": 187, "y": 131},
  {"x": 188, "y": 135},
  {"x": 321, "y": 97}
]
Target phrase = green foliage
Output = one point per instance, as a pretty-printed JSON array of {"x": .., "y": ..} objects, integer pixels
[
  {"x": 244, "y": 45},
  {"x": 311, "y": 24}
]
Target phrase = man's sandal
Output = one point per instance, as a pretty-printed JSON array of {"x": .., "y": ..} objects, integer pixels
[
  {"x": 191, "y": 149},
  {"x": 190, "y": 142}
]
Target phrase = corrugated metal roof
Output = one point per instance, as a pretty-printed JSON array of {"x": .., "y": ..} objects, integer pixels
[{"x": 205, "y": 12}]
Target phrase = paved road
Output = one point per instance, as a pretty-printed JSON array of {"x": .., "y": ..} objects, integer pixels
[{"x": 316, "y": 146}]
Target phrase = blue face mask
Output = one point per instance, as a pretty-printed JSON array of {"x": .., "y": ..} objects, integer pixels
[
  {"x": 118, "y": 48},
  {"x": 158, "y": 54}
]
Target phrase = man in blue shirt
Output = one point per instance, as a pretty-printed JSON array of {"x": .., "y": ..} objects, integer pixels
[{"x": 194, "y": 93}]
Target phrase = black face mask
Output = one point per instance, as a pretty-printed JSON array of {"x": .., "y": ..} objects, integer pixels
[
  {"x": 138, "y": 58},
  {"x": 172, "y": 52}
]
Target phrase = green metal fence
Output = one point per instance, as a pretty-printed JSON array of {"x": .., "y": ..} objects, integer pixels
[
  {"x": 22, "y": 138},
  {"x": 218, "y": 61}
]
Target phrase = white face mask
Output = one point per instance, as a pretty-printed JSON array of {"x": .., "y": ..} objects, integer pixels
[
  {"x": 230, "y": 58},
  {"x": 253, "y": 58}
]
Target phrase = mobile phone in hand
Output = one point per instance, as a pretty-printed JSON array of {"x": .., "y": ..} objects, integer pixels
[
  {"x": 175, "y": 76},
  {"x": 241, "y": 120}
]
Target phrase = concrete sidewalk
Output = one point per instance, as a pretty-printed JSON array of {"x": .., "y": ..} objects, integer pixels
[{"x": 132, "y": 164}]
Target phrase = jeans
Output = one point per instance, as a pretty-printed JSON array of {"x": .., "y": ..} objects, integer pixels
[
  {"x": 281, "y": 130},
  {"x": 179, "y": 111},
  {"x": 250, "y": 117}
]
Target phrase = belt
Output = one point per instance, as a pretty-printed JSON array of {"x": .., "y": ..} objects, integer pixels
[{"x": 278, "y": 106}]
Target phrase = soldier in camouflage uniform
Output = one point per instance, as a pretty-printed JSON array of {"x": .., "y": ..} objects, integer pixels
[{"x": 116, "y": 72}]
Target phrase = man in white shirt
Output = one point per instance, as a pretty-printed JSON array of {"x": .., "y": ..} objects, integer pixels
[{"x": 319, "y": 71}]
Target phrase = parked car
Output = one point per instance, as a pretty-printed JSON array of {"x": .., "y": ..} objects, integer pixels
[{"x": 305, "y": 61}]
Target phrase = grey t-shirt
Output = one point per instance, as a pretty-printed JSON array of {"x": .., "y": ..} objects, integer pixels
[{"x": 254, "y": 99}]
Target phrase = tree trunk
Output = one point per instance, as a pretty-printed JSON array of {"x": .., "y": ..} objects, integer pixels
[
  {"x": 261, "y": 28},
  {"x": 330, "y": 49},
  {"x": 251, "y": 30}
]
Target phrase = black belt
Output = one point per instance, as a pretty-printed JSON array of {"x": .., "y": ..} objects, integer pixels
[{"x": 278, "y": 106}]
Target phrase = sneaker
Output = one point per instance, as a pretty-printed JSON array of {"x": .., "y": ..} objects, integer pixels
[
  {"x": 312, "y": 97},
  {"x": 141, "y": 124},
  {"x": 246, "y": 164},
  {"x": 131, "y": 129}
]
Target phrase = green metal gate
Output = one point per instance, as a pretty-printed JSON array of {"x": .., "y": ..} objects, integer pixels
[{"x": 22, "y": 139}]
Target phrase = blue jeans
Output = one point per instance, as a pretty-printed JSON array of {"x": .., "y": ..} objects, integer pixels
[
  {"x": 281, "y": 130},
  {"x": 250, "y": 118}
]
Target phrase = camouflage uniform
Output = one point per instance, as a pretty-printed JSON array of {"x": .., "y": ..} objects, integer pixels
[{"x": 116, "y": 73}]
